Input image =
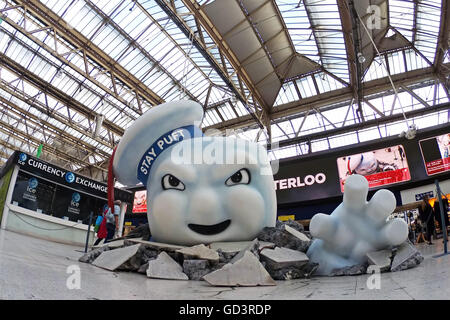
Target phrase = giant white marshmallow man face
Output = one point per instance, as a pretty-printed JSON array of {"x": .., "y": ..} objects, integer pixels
[{"x": 195, "y": 193}]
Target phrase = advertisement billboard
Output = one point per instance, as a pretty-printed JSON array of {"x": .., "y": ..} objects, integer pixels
[
  {"x": 140, "y": 201},
  {"x": 380, "y": 167},
  {"x": 436, "y": 154}
]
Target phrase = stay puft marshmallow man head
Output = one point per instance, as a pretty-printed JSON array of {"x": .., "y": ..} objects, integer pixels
[{"x": 199, "y": 189}]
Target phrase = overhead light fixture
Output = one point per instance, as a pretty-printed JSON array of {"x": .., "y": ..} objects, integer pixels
[{"x": 361, "y": 58}]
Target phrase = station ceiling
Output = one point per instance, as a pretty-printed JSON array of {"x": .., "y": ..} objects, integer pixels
[{"x": 299, "y": 76}]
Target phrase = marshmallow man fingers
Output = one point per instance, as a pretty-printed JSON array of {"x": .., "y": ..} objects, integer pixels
[
  {"x": 394, "y": 233},
  {"x": 323, "y": 226},
  {"x": 381, "y": 206},
  {"x": 355, "y": 193}
]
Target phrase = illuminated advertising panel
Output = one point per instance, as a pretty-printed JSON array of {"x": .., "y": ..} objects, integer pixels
[
  {"x": 140, "y": 201},
  {"x": 436, "y": 154},
  {"x": 380, "y": 167}
]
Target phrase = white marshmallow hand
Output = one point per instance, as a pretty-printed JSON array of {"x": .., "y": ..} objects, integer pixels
[{"x": 355, "y": 227}]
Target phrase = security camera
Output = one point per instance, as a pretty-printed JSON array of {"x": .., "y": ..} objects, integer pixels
[{"x": 410, "y": 133}]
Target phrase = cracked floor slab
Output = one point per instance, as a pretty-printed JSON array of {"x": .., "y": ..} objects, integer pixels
[{"x": 32, "y": 268}]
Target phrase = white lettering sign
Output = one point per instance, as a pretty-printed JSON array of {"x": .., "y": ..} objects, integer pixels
[{"x": 298, "y": 182}]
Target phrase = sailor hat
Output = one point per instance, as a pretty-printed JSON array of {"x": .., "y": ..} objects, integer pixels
[{"x": 151, "y": 134}]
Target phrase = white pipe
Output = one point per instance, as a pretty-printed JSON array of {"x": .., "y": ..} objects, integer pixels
[{"x": 12, "y": 184}]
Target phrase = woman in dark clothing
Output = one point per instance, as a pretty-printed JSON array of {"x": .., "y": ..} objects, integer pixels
[{"x": 426, "y": 215}]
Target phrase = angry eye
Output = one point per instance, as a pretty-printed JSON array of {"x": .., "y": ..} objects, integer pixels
[
  {"x": 240, "y": 177},
  {"x": 171, "y": 182}
]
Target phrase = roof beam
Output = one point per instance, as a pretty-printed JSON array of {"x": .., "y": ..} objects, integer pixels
[
  {"x": 55, "y": 92},
  {"x": 51, "y": 129},
  {"x": 74, "y": 67},
  {"x": 36, "y": 104},
  {"x": 442, "y": 47},
  {"x": 30, "y": 140},
  {"x": 343, "y": 95},
  {"x": 360, "y": 126},
  {"x": 133, "y": 43},
  {"x": 242, "y": 76},
  {"x": 50, "y": 19}
]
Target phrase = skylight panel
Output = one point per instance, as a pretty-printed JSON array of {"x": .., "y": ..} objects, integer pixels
[
  {"x": 326, "y": 24},
  {"x": 299, "y": 27},
  {"x": 401, "y": 16},
  {"x": 428, "y": 24}
]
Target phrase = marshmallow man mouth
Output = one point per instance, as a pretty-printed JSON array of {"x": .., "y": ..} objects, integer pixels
[{"x": 211, "y": 229}]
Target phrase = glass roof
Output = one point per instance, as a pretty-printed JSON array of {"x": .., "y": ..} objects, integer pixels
[{"x": 142, "y": 39}]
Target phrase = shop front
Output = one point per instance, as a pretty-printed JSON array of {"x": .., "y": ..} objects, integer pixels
[{"x": 40, "y": 199}]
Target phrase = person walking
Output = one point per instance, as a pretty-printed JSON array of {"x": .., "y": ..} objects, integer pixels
[
  {"x": 112, "y": 220},
  {"x": 100, "y": 228},
  {"x": 426, "y": 215}
]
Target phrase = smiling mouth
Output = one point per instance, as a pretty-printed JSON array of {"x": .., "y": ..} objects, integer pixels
[{"x": 211, "y": 229}]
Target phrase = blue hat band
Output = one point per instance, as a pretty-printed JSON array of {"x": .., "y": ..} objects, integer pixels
[{"x": 164, "y": 142}]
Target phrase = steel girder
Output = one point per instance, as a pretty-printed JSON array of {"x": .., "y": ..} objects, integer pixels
[
  {"x": 360, "y": 126},
  {"x": 40, "y": 11}
]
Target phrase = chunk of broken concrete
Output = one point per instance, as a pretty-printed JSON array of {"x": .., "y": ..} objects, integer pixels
[
  {"x": 196, "y": 269},
  {"x": 142, "y": 231},
  {"x": 142, "y": 256},
  {"x": 351, "y": 270},
  {"x": 286, "y": 264},
  {"x": 93, "y": 254},
  {"x": 291, "y": 223},
  {"x": 406, "y": 257},
  {"x": 225, "y": 256},
  {"x": 283, "y": 257},
  {"x": 113, "y": 259},
  {"x": 164, "y": 267},
  {"x": 252, "y": 247},
  {"x": 154, "y": 245},
  {"x": 381, "y": 259},
  {"x": 296, "y": 233},
  {"x": 237, "y": 246},
  {"x": 143, "y": 268},
  {"x": 200, "y": 252},
  {"x": 292, "y": 272},
  {"x": 112, "y": 244},
  {"x": 247, "y": 271},
  {"x": 285, "y": 236}
]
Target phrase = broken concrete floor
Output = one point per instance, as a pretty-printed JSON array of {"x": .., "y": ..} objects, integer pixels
[{"x": 32, "y": 268}]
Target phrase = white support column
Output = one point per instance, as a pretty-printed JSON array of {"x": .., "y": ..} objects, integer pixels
[
  {"x": 12, "y": 183},
  {"x": 123, "y": 209}
]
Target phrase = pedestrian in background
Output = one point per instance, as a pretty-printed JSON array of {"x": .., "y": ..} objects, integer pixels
[
  {"x": 100, "y": 225},
  {"x": 426, "y": 216},
  {"x": 112, "y": 220}
]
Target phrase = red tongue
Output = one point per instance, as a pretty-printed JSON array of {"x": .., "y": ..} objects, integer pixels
[{"x": 111, "y": 179}]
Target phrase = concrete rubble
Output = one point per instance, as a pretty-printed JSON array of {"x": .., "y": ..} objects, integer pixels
[
  {"x": 406, "y": 257},
  {"x": 200, "y": 252},
  {"x": 283, "y": 257},
  {"x": 286, "y": 264},
  {"x": 164, "y": 267},
  {"x": 277, "y": 253},
  {"x": 246, "y": 271},
  {"x": 113, "y": 259},
  {"x": 351, "y": 270},
  {"x": 292, "y": 238},
  {"x": 381, "y": 259}
]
